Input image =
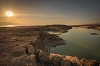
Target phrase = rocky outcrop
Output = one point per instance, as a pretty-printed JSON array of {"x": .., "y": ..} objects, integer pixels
[
  {"x": 65, "y": 63},
  {"x": 24, "y": 60},
  {"x": 46, "y": 40},
  {"x": 18, "y": 61},
  {"x": 58, "y": 28},
  {"x": 30, "y": 49},
  {"x": 72, "y": 61},
  {"x": 27, "y": 46},
  {"x": 30, "y": 60},
  {"x": 17, "y": 51},
  {"x": 94, "y": 34},
  {"x": 40, "y": 58},
  {"x": 87, "y": 62},
  {"x": 56, "y": 60}
]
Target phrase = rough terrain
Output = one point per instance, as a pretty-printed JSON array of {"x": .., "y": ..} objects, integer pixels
[{"x": 30, "y": 46}]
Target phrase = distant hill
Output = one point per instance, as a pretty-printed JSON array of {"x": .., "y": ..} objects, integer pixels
[
  {"x": 93, "y": 24},
  {"x": 7, "y": 23}
]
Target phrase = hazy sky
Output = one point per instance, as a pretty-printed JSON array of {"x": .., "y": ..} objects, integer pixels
[{"x": 37, "y": 12}]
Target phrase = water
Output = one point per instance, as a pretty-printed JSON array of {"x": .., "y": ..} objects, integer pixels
[
  {"x": 80, "y": 43},
  {"x": 8, "y": 25}
]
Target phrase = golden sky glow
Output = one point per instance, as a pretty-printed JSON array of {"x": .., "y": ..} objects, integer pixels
[{"x": 40, "y": 12}]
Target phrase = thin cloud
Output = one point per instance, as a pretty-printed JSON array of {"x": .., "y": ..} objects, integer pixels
[{"x": 40, "y": 15}]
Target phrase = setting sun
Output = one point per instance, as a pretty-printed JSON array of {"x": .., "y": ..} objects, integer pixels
[{"x": 9, "y": 13}]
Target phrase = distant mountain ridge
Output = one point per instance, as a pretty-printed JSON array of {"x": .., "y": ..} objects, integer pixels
[{"x": 7, "y": 23}]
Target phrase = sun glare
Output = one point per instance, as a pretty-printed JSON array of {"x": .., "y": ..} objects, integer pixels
[{"x": 9, "y": 13}]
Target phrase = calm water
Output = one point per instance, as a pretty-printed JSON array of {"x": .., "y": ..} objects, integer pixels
[{"x": 80, "y": 43}]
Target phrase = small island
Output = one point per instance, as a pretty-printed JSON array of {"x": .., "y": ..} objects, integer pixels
[{"x": 94, "y": 34}]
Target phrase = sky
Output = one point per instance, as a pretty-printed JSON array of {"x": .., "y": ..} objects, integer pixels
[{"x": 42, "y": 12}]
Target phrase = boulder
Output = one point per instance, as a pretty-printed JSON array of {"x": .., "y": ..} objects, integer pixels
[
  {"x": 6, "y": 60},
  {"x": 17, "y": 51},
  {"x": 87, "y": 62},
  {"x": 65, "y": 63},
  {"x": 56, "y": 60},
  {"x": 30, "y": 60},
  {"x": 41, "y": 53},
  {"x": 24, "y": 44},
  {"x": 42, "y": 58},
  {"x": 75, "y": 61},
  {"x": 30, "y": 49},
  {"x": 18, "y": 61}
]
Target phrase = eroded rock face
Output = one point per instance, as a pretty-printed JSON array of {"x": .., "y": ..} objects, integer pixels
[
  {"x": 19, "y": 61},
  {"x": 6, "y": 60},
  {"x": 87, "y": 62},
  {"x": 72, "y": 61},
  {"x": 75, "y": 61},
  {"x": 65, "y": 63},
  {"x": 17, "y": 51},
  {"x": 42, "y": 58},
  {"x": 18, "y": 45},
  {"x": 56, "y": 60},
  {"x": 30, "y": 60},
  {"x": 46, "y": 40},
  {"x": 30, "y": 49},
  {"x": 45, "y": 60},
  {"x": 24, "y": 44},
  {"x": 24, "y": 60}
]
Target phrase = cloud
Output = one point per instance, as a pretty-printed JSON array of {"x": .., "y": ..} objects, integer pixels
[{"x": 41, "y": 15}]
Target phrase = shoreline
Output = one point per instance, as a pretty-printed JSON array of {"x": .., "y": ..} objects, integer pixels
[{"x": 27, "y": 43}]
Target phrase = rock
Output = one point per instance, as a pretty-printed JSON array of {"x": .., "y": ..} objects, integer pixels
[
  {"x": 41, "y": 53},
  {"x": 6, "y": 60},
  {"x": 37, "y": 53},
  {"x": 94, "y": 34},
  {"x": 24, "y": 44},
  {"x": 24, "y": 60},
  {"x": 18, "y": 61},
  {"x": 17, "y": 51},
  {"x": 75, "y": 61},
  {"x": 65, "y": 63},
  {"x": 30, "y": 49},
  {"x": 42, "y": 58},
  {"x": 17, "y": 45},
  {"x": 52, "y": 54},
  {"x": 87, "y": 62},
  {"x": 30, "y": 60},
  {"x": 42, "y": 42},
  {"x": 56, "y": 60}
]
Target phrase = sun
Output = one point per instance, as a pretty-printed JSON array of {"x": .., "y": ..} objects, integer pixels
[{"x": 9, "y": 13}]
